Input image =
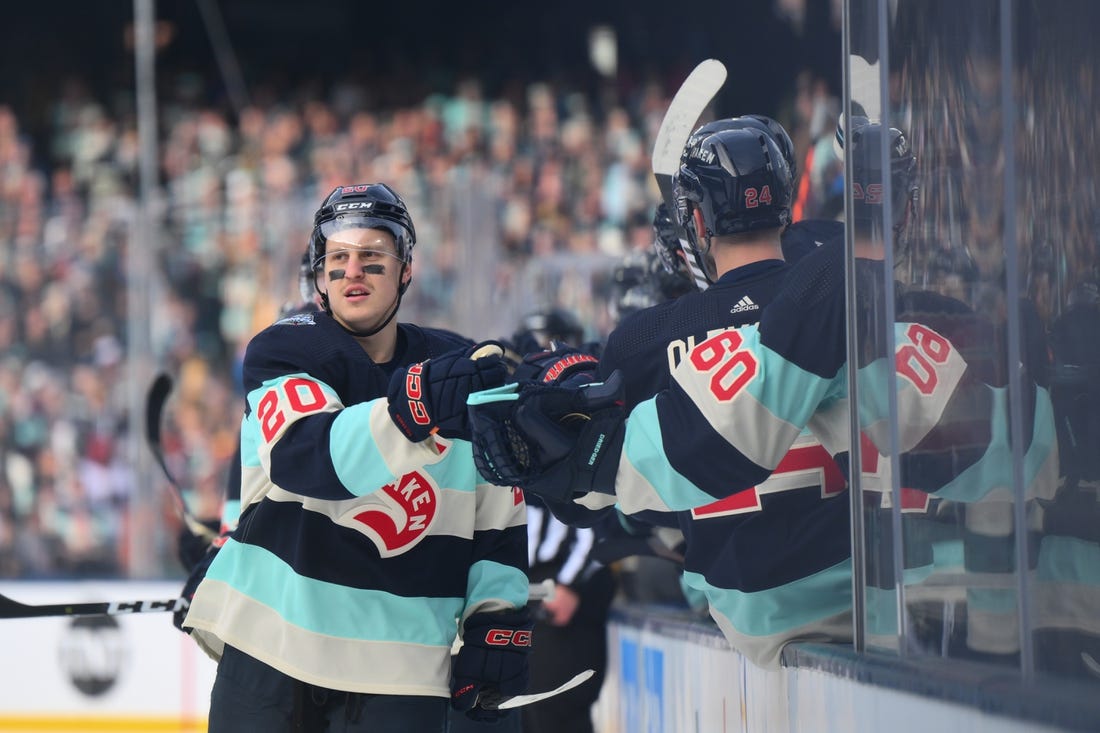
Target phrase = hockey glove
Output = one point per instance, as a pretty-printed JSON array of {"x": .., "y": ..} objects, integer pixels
[
  {"x": 555, "y": 442},
  {"x": 198, "y": 572},
  {"x": 431, "y": 395},
  {"x": 558, "y": 367},
  {"x": 191, "y": 546},
  {"x": 492, "y": 662}
]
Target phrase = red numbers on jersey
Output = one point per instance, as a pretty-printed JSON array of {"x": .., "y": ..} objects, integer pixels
[
  {"x": 732, "y": 369},
  {"x": 869, "y": 194},
  {"x": 757, "y": 197},
  {"x": 804, "y": 466},
  {"x": 917, "y": 360},
  {"x": 298, "y": 395}
]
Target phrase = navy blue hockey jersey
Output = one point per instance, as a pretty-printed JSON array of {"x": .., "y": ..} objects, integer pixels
[
  {"x": 744, "y": 549},
  {"x": 742, "y": 397},
  {"x": 357, "y": 552}
]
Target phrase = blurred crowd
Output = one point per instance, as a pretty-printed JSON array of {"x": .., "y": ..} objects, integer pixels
[{"x": 523, "y": 201}]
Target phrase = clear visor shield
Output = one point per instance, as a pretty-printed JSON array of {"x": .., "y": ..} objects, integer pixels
[
  {"x": 362, "y": 232},
  {"x": 339, "y": 258}
]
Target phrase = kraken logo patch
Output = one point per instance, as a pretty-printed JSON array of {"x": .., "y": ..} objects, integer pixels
[{"x": 397, "y": 516}]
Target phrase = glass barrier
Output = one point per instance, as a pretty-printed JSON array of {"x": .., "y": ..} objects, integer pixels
[{"x": 971, "y": 143}]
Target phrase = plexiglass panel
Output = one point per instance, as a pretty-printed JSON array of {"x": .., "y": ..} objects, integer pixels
[{"x": 973, "y": 154}]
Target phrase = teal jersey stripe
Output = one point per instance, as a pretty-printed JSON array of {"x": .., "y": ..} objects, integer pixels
[
  {"x": 993, "y": 600},
  {"x": 781, "y": 610},
  {"x": 456, "y": 471},
  {"x": 231, "y": 512},
  {"x": 359, "y": 463},
  {"x": 1069, "y": 560},
  {"x": 354, "y": 452},
  {"x": 994, "y": 469},
  {"x": 948, "y": 555},
  {"x": 490, "y": 580},
  {"x": 881, "y": 611},
  {"x": 334, "y": 610},
  {"x": 790, "y": 392},
  {"x": 643, "y": 447},
  {"x": 249, "y": 441}
]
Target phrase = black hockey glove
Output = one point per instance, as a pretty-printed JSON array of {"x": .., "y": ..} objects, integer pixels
[
  {"x": 559, "y": 367},
  {"x": 198, "y": 572},
  {"x": 431, "y": 395},
  {"x": 492, "y": 663},
  {"x": 191, "y": 546},
  {"x": 555, "y": 442}
]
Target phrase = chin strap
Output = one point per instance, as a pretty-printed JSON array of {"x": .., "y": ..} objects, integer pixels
[{"x": 379, "y": 327}]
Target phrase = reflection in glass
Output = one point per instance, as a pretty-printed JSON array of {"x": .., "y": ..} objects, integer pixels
[{"x": 1014, "y": 288}]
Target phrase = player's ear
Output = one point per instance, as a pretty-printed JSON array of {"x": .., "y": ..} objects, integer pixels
[{"x": 406, "y": 277}]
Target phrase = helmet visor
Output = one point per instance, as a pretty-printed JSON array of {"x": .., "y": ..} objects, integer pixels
[{"x": 338, "y": 231}]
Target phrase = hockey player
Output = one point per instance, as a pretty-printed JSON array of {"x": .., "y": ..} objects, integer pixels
[
  {"x": 196, "y": 552},
  {"x": 798, "y": 237},
  {"x": 743, "y": 395},
  {"x": 366, "y": 541},
  {"x": 734, "y": 190},
  {"x": 540, "y": 329},
  {"x": 657, "y": 275},
  {"x": 572, "y": 624}
]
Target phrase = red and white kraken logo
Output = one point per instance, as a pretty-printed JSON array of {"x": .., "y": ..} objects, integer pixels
[{"x": 399, "y": 515}]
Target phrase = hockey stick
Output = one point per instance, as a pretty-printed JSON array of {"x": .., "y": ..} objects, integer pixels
[
  {"x": 683, "y": 112},
  {"x": 155, "y": 400},
  {"x": 543, "y": 591},
  {"x": 10, "y": 608},
  {"x": 507, "y": 703}
]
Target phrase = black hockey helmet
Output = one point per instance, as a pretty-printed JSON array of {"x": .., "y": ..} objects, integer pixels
[
  {"x": 863, "y": 142},
  {"x": 758, "y": 122},
  {"x": 640, "y": 281},
  {"x": 669, "y": 285},
  {"x": 631, "y": 287},
  {"x": 739, "y": 181},
  {"x": 666, "y": 240},
  {"x": 553, "y": 324},
  {"x": 665, "y": 268},
  {"x": 362, "y": 206}
]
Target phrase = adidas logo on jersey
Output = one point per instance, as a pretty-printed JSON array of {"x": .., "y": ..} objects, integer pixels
[{"x": 745, "y": 304}]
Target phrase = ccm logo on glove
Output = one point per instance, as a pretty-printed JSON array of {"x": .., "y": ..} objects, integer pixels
[
  {"x": 414, "y": 391},
  {"x": 508, "y": 637}
]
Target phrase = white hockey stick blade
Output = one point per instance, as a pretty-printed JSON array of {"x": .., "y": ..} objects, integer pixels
[
  {"x": 1091, "y": 664},
  {"x": 866, "y": 91},
  {"x": 518, "y": 701},
  {"x": 543, "y": 591},
  {"x": 687, "y": 105},
  {"x": 683, "y": 112}
]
